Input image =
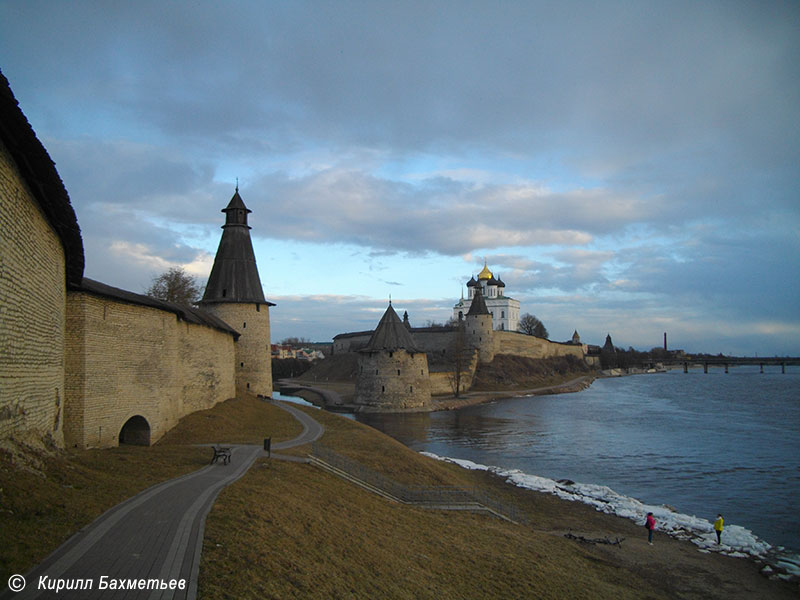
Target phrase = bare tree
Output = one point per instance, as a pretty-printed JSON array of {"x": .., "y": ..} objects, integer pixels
[
  {"x": 459, "y": 360},
  {"x": 175, "y": 285},
  {"x": 294, "y": 341},
  {"x": 532, "y": 326}
]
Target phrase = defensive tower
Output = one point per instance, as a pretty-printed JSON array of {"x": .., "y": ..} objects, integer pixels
[
  {"x": 392, "y": 370},
  {"x": 235, "y": 295},
  {"x": 478, "y": 328}
]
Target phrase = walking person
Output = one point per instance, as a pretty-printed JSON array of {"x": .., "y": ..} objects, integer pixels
[
  {"x": 718, "y": 524},
  {"x": 650, "y": 523}
]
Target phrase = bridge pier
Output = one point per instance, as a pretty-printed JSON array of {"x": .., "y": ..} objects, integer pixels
[
  {"x": 762, "y": 367},
  {"x": 783, "y": 368},
  {"x": 685, "y": 367},
  {"x": 705, "y": 368},
  {"x": 726, "y": 368}
]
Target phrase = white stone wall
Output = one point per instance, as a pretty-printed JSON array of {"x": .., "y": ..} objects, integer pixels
[
  {"x": 32, "y": 313},
  {"x": 125, "y": 360},
  {"x": 253, "y": 352}
]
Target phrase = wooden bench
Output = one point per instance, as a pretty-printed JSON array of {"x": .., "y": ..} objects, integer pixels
[{"x": 221, "y": 452}]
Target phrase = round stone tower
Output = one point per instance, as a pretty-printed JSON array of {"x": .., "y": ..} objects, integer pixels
[
  {"x": 392, "y": 371},
  {"x": 234, "y": 294},
  {"x": 478, "y": 328}
]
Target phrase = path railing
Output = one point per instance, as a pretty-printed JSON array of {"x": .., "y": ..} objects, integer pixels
[{"x": 436, "y": 495}]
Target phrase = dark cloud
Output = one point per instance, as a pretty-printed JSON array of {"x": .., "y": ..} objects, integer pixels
[{"x": 638, "y": 160}]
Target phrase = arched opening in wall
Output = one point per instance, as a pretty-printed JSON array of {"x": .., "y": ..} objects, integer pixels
[{"x": 136, "y": 432}]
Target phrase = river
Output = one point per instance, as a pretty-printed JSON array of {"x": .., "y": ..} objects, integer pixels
[{"x": 700, "y": 443}]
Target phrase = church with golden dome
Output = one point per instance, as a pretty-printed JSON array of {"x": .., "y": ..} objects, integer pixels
[{"x": 504, "y": 309}]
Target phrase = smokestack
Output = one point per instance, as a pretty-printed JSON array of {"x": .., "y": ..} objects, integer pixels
[{"x": 665, "y": 341}]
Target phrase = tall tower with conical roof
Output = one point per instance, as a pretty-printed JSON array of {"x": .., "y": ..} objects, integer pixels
[
  {"x": 392, "y": 370},
  {"x": 234, "y": 294},
  {"x": 478, "y": 328}
]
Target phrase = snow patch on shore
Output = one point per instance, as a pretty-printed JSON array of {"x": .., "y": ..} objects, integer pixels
[{"x": 737, "y": 541}]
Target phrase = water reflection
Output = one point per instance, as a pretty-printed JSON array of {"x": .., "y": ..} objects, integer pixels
[
  {"x": 410, "y": 429},
  {"x": 471, "y": 428}
]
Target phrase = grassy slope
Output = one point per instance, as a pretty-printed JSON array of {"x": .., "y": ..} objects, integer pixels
[
  {"x": 509, "y": 372},
  {"x": 47, "y": 496},
  {"x": 302, "y": 533},
  {"x": 288, "y": 530}
]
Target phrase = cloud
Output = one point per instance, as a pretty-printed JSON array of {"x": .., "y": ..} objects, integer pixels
[{"x": 639, "y": 156}]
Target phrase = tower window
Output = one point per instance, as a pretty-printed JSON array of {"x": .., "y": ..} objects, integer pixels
[
  {"x": 398, "y": 371},
  {"x": 258, "y": 308},
  {"x": 383, "y": 388},
  {"x": 244, "y": 325},
  {"x": 241, "y": 364},
  {"x": 411, "y": 388},
  {"x": 224, "y": 292}
]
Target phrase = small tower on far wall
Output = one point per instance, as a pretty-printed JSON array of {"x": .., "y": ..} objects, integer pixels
[
  {"x": 234, "y": 294},
  {"x": 478, "y": 328}
]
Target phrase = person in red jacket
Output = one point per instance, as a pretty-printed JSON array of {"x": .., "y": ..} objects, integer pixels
[{"x": 650, "y": 523}]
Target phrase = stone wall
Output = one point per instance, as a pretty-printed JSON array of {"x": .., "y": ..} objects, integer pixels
[
  {"x": 351, "y": 342},
  {"x": 396, "y": 380},
  {"x": 32, "y": 313},
  {"x": 126, "y": 360},
  {"x": 253, "y": 352},
  {"x": 520, "y": 344}
]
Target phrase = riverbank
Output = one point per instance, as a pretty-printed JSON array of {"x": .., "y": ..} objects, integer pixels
[
  {"x": 300, "y": 532},
  {"x": 337, "y": 396},
  {"x": 289, "y": 530}
]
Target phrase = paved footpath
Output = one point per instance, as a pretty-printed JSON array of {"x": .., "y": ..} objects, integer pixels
[{"x": 157, "y": 534}]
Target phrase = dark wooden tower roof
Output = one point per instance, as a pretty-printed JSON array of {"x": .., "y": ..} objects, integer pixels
[
  {"x": 234, "y": 276},
  {"x": 478, "y": 306},
  {"x": 390, "y": 334}
]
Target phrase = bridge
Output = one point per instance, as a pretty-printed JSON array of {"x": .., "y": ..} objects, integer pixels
[{"x": 689, "y": 361}]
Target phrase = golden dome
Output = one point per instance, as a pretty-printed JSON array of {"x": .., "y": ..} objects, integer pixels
[{"x": 486, "y": 273}]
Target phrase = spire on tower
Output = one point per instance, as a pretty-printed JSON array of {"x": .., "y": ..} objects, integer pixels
[{"x": 234, "y": 276}]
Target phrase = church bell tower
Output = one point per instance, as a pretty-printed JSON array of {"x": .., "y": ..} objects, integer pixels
[{"x": 234, "y": 294}]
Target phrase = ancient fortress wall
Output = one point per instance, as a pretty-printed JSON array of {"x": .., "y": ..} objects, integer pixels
[
  {"x": 32, "y": 313},
  {"x": 125, "y": 360},
  {"x": 434, "y": 341},
  {"x": 253, "y": 353},
  {"x": 395, "y": 380},
  {"x": 351, "y": 342},
  {"x": 520, "y": 344}
]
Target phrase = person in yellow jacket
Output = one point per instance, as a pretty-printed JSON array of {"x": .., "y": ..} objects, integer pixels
[{"x": 718, "y": 527}]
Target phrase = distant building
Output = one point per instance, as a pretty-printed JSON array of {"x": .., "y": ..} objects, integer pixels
[{"x": 504, "y": 309}]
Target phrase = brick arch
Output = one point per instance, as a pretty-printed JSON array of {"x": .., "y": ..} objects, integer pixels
[{"x": 135, "y": 431}]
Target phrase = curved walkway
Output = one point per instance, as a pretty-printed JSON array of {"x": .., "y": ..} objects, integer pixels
[{"x": 156, "y": 535}]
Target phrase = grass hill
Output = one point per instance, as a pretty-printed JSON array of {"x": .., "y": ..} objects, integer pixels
[
  {"x": 509, "y": 372},
  {"x": 290, "y": 530}
]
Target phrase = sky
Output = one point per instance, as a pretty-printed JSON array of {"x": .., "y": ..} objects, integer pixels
[{"x": 627, "y": 168}]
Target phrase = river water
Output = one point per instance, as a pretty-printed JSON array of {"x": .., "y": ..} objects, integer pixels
[{"x": 700, "y": 443}]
